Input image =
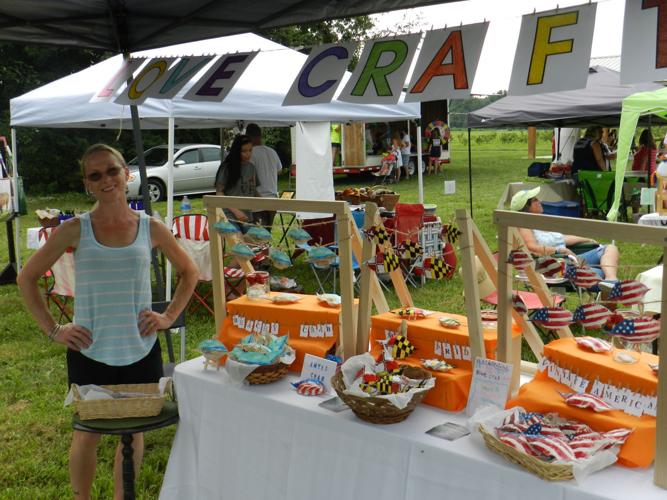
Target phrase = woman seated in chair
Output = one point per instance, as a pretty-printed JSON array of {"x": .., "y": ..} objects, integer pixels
[{"x": 603, "y": 259}]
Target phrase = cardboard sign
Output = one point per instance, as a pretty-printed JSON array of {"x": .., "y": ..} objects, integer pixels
[
  {"x": 319, "y": 369},
  {"x": 490, "y": 385}
]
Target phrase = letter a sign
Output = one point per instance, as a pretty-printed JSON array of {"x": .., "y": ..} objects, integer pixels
[{"x": 554, "y": 51}]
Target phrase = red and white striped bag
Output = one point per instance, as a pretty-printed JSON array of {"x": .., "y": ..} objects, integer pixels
[
  {"x": 551, "y": 447},
  {"x": 593, "y": 344},
  {"x": 516, "y": 441},
  {"x": 586, "y": 401}
]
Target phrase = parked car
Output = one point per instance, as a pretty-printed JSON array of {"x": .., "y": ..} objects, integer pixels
[{"x": 195, "y": 166}]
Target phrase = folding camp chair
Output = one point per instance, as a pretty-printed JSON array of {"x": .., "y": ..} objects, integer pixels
[
  {"x": 59, "y": 280},
  {"x": 191, "y": 232},
  {"x": 179, "y": 326},
  {"x": 408, "y": 222}
]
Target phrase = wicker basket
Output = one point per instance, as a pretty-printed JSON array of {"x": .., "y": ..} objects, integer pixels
[
  {"x": 146, "y": 406},
  {"x": 379, "y": 410},
  {"x": 545, "y": 470},
  {"x": 389, "y": 201},
  {"x": 265, "y": 374}
]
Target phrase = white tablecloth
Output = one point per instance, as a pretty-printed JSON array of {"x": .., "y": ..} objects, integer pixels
[
  {"x": 267, "y": 442},
  {"x": 653, "y": 219}
]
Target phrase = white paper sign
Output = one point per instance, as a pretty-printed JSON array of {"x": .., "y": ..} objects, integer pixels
[
  {"x": 319, "y": 369},
  {"x": 447, "y": 350},
  {"x": 490, "y": 385},
  {"x": 438, "y": 348},
  {"x": 220, "y": 77},
  {"x": 554, "y": 51}
]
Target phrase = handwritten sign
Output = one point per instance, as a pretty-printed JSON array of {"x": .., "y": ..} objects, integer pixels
[
  {"x": 490, "y": 384},
  {"x": 319, "y": 369}
]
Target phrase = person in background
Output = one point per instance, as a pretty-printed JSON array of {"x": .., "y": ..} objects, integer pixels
[
  {"x": 335, "y": 144},
  {"x": 644, "y": 158},
  {"x": 396, "y": 151},
  {"x": 406, "y": 146},
  {"x": 588, "y": 152},
  {"x": 113, "y": 339},
  {"x": 267, "y": 167},
  {"x": 237, "y": 177},
  {"x": 603, "y": 259},
  {"x": 435, "y": 149}
]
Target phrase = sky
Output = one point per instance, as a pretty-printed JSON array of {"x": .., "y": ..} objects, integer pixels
[{"x": 495, "y": 64}]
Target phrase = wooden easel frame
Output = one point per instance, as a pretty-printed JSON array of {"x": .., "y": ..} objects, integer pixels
[
  {"x": 349, "y": 242},
  {"x": 506, "y": 221}
]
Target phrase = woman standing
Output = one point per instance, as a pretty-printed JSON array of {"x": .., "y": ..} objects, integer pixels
[
  {"x": 113, "y": 339},
  {"x": 237, "y": 177},
  {"x": 644, "y": 158}
]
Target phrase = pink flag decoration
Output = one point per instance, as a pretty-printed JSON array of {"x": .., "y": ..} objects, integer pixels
[
  {"x": 637, "y": 330},
  {"x": 549, "y": 266},
  {"x": 628, "y": 292},
  {"x": 518, "y": 304},
  {"x": 586, "y": 401},
  {"x": 593, "y": 344},
  {"x": 309, "y": 387},
  {"x": 591, "y": 316},
  {"x": 520, "y": 259},
  {"x": 552, "y": 318},
  {"x": 619, "y": 436}
]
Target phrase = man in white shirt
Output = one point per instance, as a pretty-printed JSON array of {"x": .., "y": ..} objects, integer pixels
[{"x": 267, "y": 166}]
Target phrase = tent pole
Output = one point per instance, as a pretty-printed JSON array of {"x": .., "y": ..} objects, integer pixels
[
  {"x": 420, "y": 177},
  {"x": 15, "y": 180},
  {"x": 139, "y": 146},
  {"x": 558, "y": 145},
  {"x": 470, "y": 172},
  {"x": 170, "y": 198}
]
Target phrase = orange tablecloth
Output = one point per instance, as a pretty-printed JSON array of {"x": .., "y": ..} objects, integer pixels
[
  {"x": 451, "y": 388},
  {"x": 290, "y": 317},
  {"x": 542, "y": 395}
]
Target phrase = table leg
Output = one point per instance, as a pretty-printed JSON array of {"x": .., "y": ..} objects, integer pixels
[{"x": 128, "y": 467}]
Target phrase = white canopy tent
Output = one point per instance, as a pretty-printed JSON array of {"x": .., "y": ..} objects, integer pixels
[{"x": 257, "y": 97}]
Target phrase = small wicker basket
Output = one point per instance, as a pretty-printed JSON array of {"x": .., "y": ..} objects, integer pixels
[
  {"x": 545, "y": 470},
  {"x": 379, "y": 410},
  {"x": 265, "y": 374},
  {"x": 145, "y": 406}
]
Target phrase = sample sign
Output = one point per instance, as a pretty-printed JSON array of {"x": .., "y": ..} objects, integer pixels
[
  {"x": 319, "y": 369},
  {"x": 490, "y": 384}
]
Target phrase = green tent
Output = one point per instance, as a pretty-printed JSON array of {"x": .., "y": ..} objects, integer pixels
[{"x": 634, "y": 106}]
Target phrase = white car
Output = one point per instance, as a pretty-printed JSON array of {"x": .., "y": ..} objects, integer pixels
[{"x": 195, "y": 166}]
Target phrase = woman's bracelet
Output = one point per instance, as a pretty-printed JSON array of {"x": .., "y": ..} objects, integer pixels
[{"x": 54, "y": 331}]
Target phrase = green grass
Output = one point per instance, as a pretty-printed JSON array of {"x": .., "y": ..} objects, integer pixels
[{"x": 36, "y": 428}]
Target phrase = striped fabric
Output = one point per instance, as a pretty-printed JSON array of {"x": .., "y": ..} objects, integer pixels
[
  {"x": 191, "y": 227},
  {"x": 113, "y": 285},
  {"x": 233, "y": 273}
]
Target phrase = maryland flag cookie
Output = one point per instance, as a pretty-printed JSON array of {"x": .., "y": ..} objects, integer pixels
[
  {"x": 381, "y": 235},
  {"x": 390, "y": 261},
  {"x": 451, "y": 233},
  {"x": 400, "y": 347},
  {"x": 411, "y": 250},
  {"x": 437, "y": 269}
]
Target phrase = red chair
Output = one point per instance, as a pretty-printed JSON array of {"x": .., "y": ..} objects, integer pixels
[
  {"x": 59, "y": 280},
  {"x": 191, "y": 232},
  {"x": 408, "y": 222}
]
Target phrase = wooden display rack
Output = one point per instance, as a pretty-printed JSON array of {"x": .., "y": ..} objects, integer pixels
[
  {"x": 507, "y": 221},
  {"x": 349, "y": 243}
]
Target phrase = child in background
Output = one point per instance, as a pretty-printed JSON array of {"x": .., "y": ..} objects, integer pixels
[
  {"x": 396, "y": 144},
  {"x": 435, "y": 148}
]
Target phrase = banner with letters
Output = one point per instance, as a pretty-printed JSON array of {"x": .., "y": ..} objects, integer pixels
[
  {"x": 447, "y": 63},
  {"x": 552, "y": 54},
  {"x": 554, "y": 51},
  {"x": 644, "y": 50}
]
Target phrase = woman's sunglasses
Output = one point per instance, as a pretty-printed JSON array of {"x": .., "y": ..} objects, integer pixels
[{"x": 97, "y": 176}]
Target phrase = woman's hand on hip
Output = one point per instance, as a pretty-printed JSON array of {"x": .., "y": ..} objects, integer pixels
[
  {"x": 151, "y": 321},
  {"x": 75, "y": 337}
]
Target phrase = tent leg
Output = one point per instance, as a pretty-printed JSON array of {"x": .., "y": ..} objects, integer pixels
[
  {"x": 170, "y": 198},
  {"x": 470, "y": 172},
  {"x": 15, "y": 174},
  {"x": 558, "y": 145},
  {"x": 420, "y": 175},
  {"x": 139, "y": 146}
]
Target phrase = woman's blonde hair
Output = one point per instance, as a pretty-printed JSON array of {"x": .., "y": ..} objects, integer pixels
[{"x": 96, "y": 148}]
